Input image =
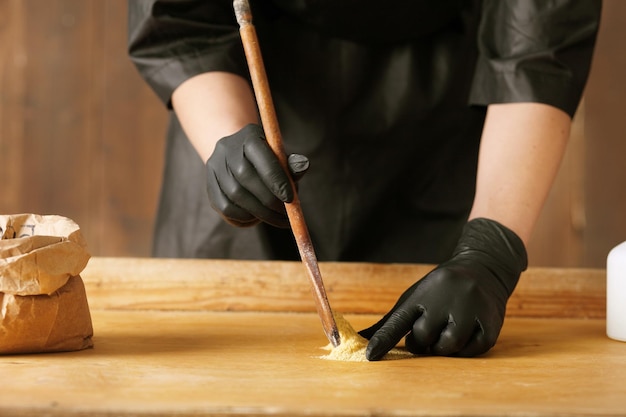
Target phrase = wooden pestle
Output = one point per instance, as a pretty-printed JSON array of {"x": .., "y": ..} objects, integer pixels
[{"x": 274, "y": 139}]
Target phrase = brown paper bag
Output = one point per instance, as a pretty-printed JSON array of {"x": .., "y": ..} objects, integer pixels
[{"x": 43, "y": 304}]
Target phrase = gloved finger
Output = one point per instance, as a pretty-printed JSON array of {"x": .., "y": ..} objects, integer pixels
[
  {"x": 480, "y": 342},
  {"x": 369, "y": 332},
  {"x": 248, "y": 202},
  {"x": 392, "y": 331},
  {"x": 237, "y": 180},
  {"x": 426, "y": 331},
  {"x": 267, "y": 165},
  {"x": 237, "y": 205},
  {"x": 455, "y": 336},
  {"x": 248, "y": 178},
  {"x": 229, "y": 211},
  {"x": 298, "y": 165},
  {"x": 412, "y": 346},
  {"x": 237, "y": 223}
]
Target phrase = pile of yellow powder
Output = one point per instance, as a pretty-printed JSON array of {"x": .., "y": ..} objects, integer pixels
[{"x": 352, "y": 345}]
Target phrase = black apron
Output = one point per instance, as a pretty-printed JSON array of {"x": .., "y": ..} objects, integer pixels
[{"x": 378, "y": 101}]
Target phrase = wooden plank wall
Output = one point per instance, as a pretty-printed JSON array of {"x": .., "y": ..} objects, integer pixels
[
  {"x": 82, "y": 136},
  {"x": 80, "y": 133},
  {"x": 605, "y": 170}
]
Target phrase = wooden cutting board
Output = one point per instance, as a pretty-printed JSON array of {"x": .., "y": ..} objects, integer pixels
[
  {"x": 246, "y": 363},
  {"x": 173, "y": 349}
]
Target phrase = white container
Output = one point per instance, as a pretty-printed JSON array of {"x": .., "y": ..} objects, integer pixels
[{"x": 616, "y": 293}]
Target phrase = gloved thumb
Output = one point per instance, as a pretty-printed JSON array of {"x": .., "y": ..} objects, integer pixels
[
  {"x": 298, "y": 165},
  {"x": 390, "y": 331},
  {"x": 369, "y": 332},
  {"x": 388, "y": 336}
]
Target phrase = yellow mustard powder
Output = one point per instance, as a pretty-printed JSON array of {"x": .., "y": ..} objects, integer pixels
[{"x": 352, "y": 345}]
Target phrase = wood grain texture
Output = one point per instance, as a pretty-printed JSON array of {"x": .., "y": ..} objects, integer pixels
[
  {"x": 13, "y": 60},
  {"x": 81, "y": 135},
  {"x": 222, "y": 285},
  {"x": 148, "y": 363},
  {"x": 235, "y": 338}
]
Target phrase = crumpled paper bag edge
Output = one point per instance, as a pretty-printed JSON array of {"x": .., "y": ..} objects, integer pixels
[{"x": 46, "y": 267}]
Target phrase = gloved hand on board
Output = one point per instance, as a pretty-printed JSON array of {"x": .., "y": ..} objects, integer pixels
[{"x": 458, "y": 308}]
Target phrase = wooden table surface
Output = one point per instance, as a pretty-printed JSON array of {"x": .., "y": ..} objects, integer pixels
[{"x": 220, "y": 338}]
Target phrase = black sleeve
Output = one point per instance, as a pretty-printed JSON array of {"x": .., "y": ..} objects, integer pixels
[
  {"x": 535, "y": 51},
  {"x": 170, "y": 41}
]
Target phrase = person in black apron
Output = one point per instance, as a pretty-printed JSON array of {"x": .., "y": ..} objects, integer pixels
[{"x": 396, "y": 108}]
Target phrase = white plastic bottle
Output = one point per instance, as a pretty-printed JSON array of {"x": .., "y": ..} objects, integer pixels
[{"x": 616, "y": 293}]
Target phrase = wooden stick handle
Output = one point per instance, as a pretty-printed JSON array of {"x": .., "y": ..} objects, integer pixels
[{"x": 274, "y": 139}]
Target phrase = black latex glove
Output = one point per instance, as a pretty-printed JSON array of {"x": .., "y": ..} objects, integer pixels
[
  {"x": 458, "y": 308},
  {"x": 246, "y": 183}
]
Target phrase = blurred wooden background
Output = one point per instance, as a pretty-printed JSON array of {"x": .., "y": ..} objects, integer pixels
[{"x": 82, "y": 136}]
